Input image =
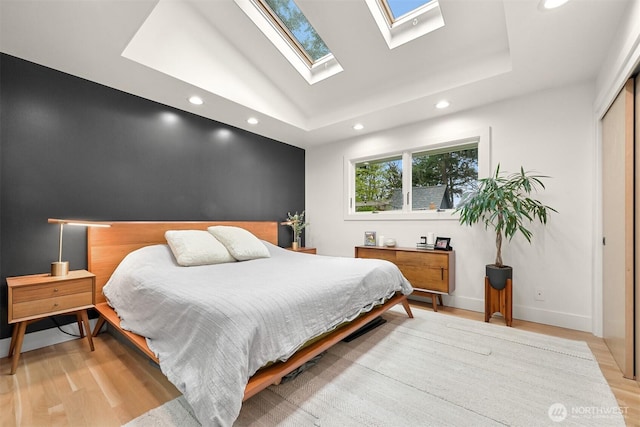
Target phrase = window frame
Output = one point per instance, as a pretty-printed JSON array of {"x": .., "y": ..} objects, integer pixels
[
  {"x": 408, "y": 27},
  {"x": 482, "y": 136},
  {"x": 418, "y": 11},
  {"x": 312, "y": 72},
  {"x": 290, "y": 37}
]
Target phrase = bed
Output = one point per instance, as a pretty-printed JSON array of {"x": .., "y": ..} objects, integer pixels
[{"x": 150, "y": 256}]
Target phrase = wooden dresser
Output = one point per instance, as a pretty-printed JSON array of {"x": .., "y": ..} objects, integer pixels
[{"x": 431, "y": 273}]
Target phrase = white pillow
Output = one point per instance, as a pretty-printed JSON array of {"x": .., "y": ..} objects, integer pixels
[
  {"x": 239, "y": 242},
  {"x": 196, "y": 247}
]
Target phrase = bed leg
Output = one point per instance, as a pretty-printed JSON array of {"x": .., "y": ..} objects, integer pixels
[
  {"x": 99, "y": 324},
  {"x": 407, "y": 308}
]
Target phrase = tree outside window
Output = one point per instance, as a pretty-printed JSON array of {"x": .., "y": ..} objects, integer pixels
[
  {"x": 454, "y": 172},
  {"x": 376, "y": 182},
  {"x": 439, "y": 178}
]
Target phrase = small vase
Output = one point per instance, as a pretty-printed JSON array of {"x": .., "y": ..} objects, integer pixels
[{"x": 294, "y": 245}]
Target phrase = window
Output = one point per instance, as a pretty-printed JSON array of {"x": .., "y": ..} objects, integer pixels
[
  {"x": 399, "y": 8},
  {"x": 284, "y": 24},
  {"x": 379, "y": 185},
  {"x": 288, "y": 16},
  {"x": 421, "y": 182},
  {"x": 439, "y": 178},
  {"x": 401, "y": 21}
]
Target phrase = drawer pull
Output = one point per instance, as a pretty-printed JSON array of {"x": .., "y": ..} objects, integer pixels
[
  {"x": 55, "y": 289},
  {"x": 441, "y": 273},
  {"x": 55, "y": 304}
]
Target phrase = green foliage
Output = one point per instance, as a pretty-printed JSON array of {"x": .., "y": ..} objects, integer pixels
[
  {"x": 458, "y": 170},
  {"x": 375, "y": 182},
  {"x": 503, "y": 203},
  {"x": 297, "y": 23},
  {"x": 297, "y": 224}
]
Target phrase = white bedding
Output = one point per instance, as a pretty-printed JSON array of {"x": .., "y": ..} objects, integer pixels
[{"x": 214, "y": 326}]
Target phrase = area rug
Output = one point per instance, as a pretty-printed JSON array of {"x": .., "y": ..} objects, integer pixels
[{"x": 433, "y": 370}]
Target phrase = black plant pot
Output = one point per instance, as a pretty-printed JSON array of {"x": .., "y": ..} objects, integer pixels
[{"x": 498, "y": 275}]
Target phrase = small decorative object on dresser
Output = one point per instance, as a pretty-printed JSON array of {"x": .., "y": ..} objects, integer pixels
[
  {"x": 297, "y": 224},
  {"x": 370, "y": 238},
  {"x": 42, "y": 295},
  {"x": 442, "y": 244}
]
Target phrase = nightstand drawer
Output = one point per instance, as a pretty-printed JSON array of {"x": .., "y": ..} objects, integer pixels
[
  {"x": 52, "y": 290},
  {"x": 37, "y": 307}
]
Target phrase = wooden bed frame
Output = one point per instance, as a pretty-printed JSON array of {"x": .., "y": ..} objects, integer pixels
[{"x": 106, "y": 247}]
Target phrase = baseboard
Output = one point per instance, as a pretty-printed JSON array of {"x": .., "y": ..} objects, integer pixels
[
  {"x": 530, "y": 314},
  {"x": 44, "y": 338}
]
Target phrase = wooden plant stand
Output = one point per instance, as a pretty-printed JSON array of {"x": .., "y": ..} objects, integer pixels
[{"x": 498, "y": 301}]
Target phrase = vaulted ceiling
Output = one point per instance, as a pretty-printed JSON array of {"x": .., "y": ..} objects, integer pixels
[{"x": 169, "y": 50}]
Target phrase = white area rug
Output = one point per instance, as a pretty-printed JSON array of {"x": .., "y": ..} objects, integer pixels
[{"x": 433, "y": 370}]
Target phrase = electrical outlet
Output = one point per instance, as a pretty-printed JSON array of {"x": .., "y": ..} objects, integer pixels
[{"x": 539, "y": 294}]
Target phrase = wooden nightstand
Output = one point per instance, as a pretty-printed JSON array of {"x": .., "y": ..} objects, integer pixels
[
  {"x": 303, "y": 250},
  {"x": 42, "y": 295}
]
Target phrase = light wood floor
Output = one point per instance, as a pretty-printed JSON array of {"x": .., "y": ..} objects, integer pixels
[{"x": 67, "y": 385}]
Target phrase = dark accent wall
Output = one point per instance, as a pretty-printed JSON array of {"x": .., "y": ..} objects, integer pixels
[{"x": 71, "y": 148}]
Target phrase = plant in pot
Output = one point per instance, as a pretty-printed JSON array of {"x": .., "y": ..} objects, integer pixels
[
  {"x": 297, "y": 224},
  {"x": 503, "y": 203}
]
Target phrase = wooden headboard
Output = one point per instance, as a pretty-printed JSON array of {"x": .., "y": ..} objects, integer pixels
[{"x": 106, "y": 247}]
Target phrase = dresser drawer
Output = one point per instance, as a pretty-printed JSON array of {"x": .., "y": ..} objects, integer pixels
[
  {"x": 429, "y": 279},
  {"x": 52, "y": 290},
  {"x": 417, "y": 259},
  {"x": 376, "y": 254},
  {"x": 37, "y": 307}
]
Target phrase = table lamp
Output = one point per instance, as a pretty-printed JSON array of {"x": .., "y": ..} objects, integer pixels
[{"x": 61, "y": 268}]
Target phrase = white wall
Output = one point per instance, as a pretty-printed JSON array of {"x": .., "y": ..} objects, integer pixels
[
  {"x": 551, "y": 132},
  {"x": 622, "y": 61}
]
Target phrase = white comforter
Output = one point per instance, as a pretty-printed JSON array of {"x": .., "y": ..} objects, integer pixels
[{"x": 214, "y": 326}]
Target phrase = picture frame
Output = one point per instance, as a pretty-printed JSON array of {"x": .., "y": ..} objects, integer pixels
[
  {"x": 442, "y": 244},
  {"x": 370, "y": 238}
]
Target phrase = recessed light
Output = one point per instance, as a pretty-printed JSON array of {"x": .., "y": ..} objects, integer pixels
[
  {"x": 252, "y": 121},
  {"x": 442, "y": 104},
  {"x": 196, "y": 100},
  {"x": 551, "y": 4},
  {"x": 358, "y": 126}
]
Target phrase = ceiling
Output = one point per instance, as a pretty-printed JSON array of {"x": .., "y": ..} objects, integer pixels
[{"x": 168, "y": 50}]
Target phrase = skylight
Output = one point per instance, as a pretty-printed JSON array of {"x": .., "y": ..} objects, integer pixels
[
  {"x": 401, "y": 21},
  {"x": 399, "y": 8},
  {"x": 284, "y": 24},
  {"x": 290, "y": 18}
]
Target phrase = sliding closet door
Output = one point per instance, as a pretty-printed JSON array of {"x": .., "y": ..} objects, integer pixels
[
  {"x": 637, "y": 284},
  {"x": 618, "y": 186}
]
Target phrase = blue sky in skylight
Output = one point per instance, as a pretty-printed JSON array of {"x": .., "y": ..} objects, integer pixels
[{"x": 402, "y": 7}]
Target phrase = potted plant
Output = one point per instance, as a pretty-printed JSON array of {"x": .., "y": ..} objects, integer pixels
[
  {"x": 503, "y": 203},
  {"x": 297, "y": 224}
]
